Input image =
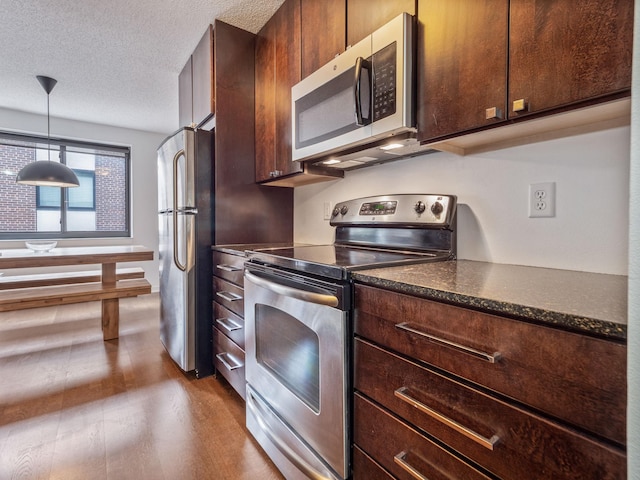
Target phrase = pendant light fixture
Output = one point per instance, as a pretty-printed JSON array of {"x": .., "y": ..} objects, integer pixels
[{"x": 45, "y": 172}]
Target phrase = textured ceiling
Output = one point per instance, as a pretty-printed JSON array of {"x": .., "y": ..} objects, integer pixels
[{"x": 116, "y": 61}]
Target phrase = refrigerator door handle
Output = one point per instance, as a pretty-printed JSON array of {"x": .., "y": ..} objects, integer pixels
[{"x": 176, "y": 260}]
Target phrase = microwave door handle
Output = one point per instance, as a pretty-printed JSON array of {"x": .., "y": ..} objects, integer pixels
[{"x": 362, "y": 64}]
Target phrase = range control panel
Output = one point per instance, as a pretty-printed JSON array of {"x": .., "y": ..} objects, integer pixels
[{"x": 401, "y": 209}]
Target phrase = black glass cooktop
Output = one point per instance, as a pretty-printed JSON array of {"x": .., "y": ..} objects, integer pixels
[{"x": 336, "y": 261}]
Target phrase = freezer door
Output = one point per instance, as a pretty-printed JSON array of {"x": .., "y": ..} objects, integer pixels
[{"x": 178, "y": 149}]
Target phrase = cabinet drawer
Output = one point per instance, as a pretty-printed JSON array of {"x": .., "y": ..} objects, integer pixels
[
  {"x": 230, "y": 267},
  {"x": 229, "y": 323},
  {"x": 229, "y": 295},
  {"x": 508, "y": 441},
  {"x": 229, "y": 361},
  {"x": 576, "y": 378},
  {"x": 399, "y": 448},
  {"x": 365, "y": 468}
]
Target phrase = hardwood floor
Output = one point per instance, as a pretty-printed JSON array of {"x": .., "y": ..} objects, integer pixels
[{"x": 75, "y": 407}]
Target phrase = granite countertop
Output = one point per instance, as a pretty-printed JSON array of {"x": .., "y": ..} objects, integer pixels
[
  {"x": 583, "y": 302},
  {"x": 241, "y": 248}
]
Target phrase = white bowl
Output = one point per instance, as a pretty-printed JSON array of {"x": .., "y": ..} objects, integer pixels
[{"x": 41, "y": 246}]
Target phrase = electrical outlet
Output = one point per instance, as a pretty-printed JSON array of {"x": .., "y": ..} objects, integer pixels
[
  {"x": 327, "y": 210},
  {"x": 542, "y": 199}
]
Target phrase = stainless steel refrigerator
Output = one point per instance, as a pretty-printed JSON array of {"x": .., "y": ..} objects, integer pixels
[{"x": 185, "y": 188}]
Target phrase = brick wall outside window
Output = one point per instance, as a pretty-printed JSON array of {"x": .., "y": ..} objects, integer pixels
[
  {"x": 16, "y": 215},
  {"x": 110, "y": 198}
]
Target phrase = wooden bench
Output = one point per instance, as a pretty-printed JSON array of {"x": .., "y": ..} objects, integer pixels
[
  {"x": 109, "y": 294},
  {"x": 45, "y": 290},
  {"x": 65, "y": 278}
]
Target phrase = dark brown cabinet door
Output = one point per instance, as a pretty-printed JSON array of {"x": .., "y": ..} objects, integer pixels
[
  {"x": 323, "y": 32},
  {"x": 185, "y": 96},
  {"x": 203, "y": 84},
  {"x": 265, "y": 112},
  {"x": 277, "y": 70},
  {"x": 288, "y": 54},
  {"x": 564, "y": 52},
  {"x": 462, "y": 65},
  {"x": 365, "y": 16}
]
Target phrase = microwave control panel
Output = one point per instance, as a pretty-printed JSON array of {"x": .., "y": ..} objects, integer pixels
[{"x": 384, "y": 82}]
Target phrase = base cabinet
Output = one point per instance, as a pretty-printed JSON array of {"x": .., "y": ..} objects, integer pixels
[
  {"x": 418, "y": 409},
  {"x": 228, "y": 319}
]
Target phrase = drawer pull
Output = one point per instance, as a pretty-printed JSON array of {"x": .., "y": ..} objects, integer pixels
[
  {"x": 228, "y": 268},
  {"x": 229, "y": 296},
  {"x": 491, "y": 358},
  {"x": 467, "y": 432},
  {"x": 228, "y": 361},
  {"x": 407, "y": 467},
  {"x": 228, "y": 324}
]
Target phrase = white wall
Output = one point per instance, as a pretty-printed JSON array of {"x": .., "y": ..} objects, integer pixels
[
  {"x": 143, "y": 176},
  {"x": 633, "y": 342},
  {"x": 589, "y": 232}
]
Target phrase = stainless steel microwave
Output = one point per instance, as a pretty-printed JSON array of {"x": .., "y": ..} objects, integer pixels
[{"x": 362, "y": 96}]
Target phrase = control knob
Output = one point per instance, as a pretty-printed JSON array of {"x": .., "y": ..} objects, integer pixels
[
  {"x": 335, "y": 212},
  {"x": 437, "y": 208},
  {"x": 344, "y": 210},
  {"x": 420, "y": 207}
]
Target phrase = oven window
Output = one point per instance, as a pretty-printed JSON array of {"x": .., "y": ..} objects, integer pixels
[{"x": 290, "y": 351}]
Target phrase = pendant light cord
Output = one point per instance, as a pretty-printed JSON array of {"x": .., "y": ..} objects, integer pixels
[{"x": 48, "y": 130}]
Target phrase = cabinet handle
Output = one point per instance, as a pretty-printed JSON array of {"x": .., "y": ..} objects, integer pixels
[
  {"x": 228, "y": 361},
  {"x": 520, "y": 105},
  {"x": 493, "y": 113},
  {"x": 467, "y": 432},
  {"x": 491, "y": 358},
  {"x": 229, "y": 296},
  {"x": 228, "y": 324},
  {"x": 228, "y": 268},
  {"x": 407, "y": 467}
]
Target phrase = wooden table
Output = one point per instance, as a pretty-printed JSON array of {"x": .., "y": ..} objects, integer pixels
[{"x": 108, "y": 291}]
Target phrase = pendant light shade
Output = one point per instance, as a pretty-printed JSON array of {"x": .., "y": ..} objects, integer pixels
[{"x": 46, "y": 172}]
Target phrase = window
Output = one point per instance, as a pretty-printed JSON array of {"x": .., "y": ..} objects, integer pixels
[
  {"x": 79, "y": 198},
  {"x": 99, "y": 207}
]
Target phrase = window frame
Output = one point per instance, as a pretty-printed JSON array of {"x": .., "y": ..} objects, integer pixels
[{"x": 38, "y": 141}]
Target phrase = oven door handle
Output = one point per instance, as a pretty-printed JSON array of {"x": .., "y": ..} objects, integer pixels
[{"x": 311, "y": 297}]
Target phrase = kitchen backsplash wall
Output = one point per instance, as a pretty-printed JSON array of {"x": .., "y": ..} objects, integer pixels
[{"x": 588, "y": 233}]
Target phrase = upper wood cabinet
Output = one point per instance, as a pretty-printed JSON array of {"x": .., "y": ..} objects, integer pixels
[
  {"x": 278, "y": 67},
  {"x": 462, "y": 64},
  {"x": 202, "y": 65},
  {"x": 185, "y": 95},
  {"x": 481, "y": 62},
  {"x": 322, "y": 32},
  {"x": 366, "y": 16},
  {"x": 196, "y": 94},
  {"x": 277, "y": 70},
  {"x": 562, "y": 53}
]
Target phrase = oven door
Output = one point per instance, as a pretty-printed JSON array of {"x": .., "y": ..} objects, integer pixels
[{"x": 296, "y": 369}]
